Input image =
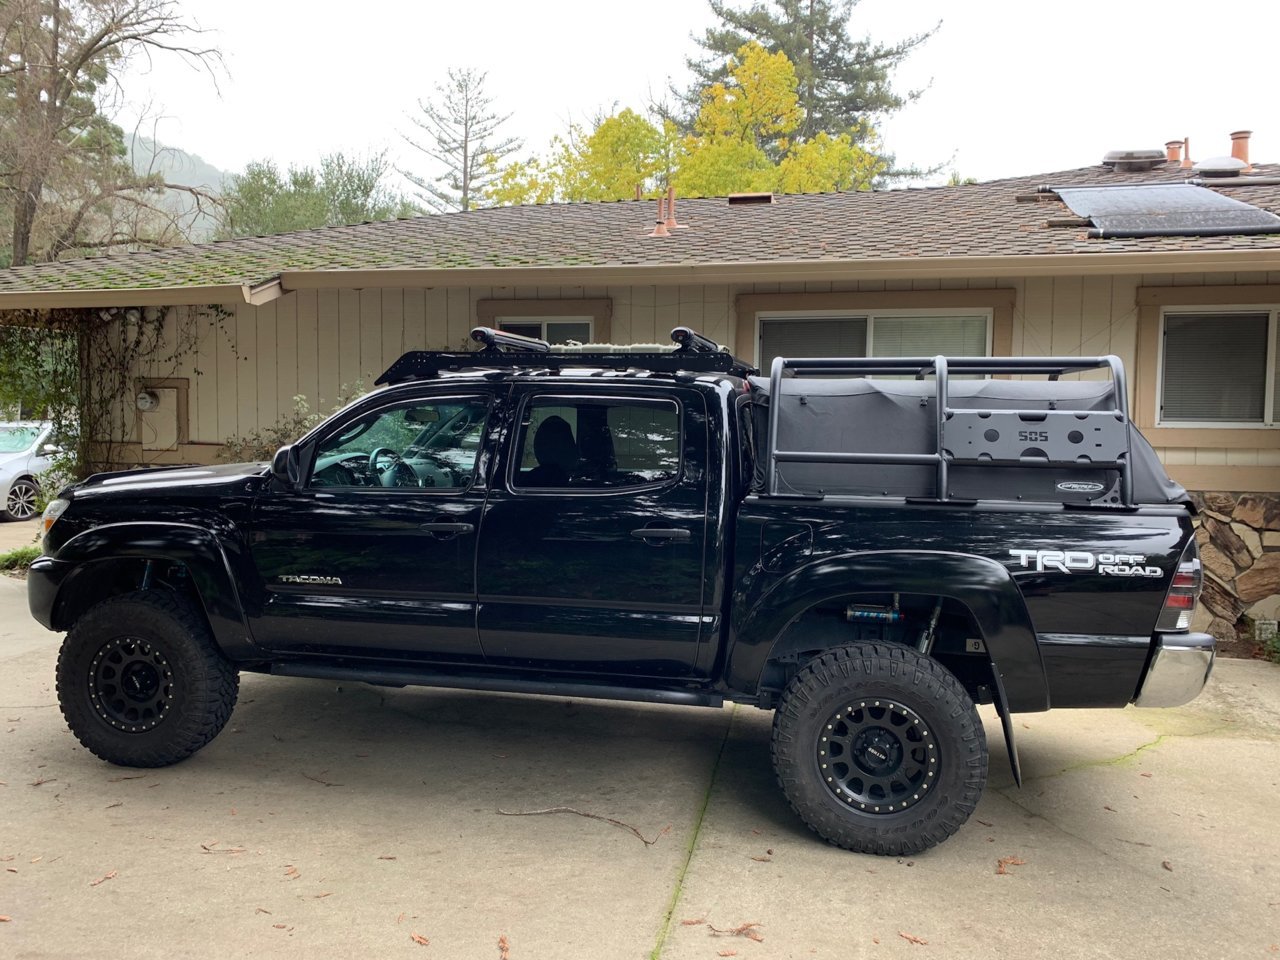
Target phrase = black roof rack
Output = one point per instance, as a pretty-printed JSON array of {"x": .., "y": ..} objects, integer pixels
[{"x": 696, "y": 354}]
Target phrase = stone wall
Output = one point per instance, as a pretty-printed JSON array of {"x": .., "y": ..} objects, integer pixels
[{"x": 1239, "y": 536}]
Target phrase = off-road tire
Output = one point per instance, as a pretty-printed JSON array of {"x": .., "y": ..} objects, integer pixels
[
  {"x": 158, "y": 636},
  {"x": 925, "y": 696}
]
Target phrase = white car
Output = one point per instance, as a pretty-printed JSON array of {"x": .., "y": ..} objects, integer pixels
[{"x": 24, "y": 453}]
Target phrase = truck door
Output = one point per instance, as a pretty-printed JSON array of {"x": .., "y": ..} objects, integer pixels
[
  {"x": 375, "y": 554},
  {"x": 594, "y": 534}
]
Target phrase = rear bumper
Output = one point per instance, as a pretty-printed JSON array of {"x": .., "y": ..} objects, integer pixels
[
  {"x": 1179, "y": 669},
  {"x": 44, "y": 578}
]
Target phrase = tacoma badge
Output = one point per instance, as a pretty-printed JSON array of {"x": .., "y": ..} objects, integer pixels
[{"x": 308, "y": 578}]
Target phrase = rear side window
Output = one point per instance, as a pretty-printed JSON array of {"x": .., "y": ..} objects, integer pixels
[{"x": 597, "y": 443}]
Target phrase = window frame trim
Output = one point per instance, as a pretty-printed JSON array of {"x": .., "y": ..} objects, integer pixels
[
  {"x": 1272, "y": 310},
  {"x": 1145, "y": 375},
  {"x": 598, "y": 310},
  {"x": 870, "y": 316}
]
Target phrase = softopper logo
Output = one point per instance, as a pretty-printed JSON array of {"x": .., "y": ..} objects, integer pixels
[
  {"x": 1081, "y": 561},
  {"x": 1079, "y": 486}
]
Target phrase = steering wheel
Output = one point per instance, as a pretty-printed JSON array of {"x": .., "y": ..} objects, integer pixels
[{"x": 397, "y": 472}]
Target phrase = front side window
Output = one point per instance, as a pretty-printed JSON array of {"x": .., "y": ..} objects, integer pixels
[
  {"x": 597, "y": 443},
  {"x": 1219, "y": 368},
  {"x": 429, "y": 445}
]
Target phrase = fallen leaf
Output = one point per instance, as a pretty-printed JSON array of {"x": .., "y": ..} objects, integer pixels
[
  {"x": 208, "y": 847},
  {"x": 8, "y": 858},
  {"x": 1105, "y": 807},
  {"x": 321, "y": 896},
  {"x": 292, "y": 872},
  {"x": 36, "y": 859},
  {"x": 419, "y": 939},
  {"x": 278, "y": 926},
  {"x": 919, "y": 941},
  {"x": 726, "y": 953},
  {"x": 1004, "y": 863},
  {"x": 400, "y": 918},
  {"x": 875, "y": 939},
  {"x": 744, "y": 930},
  {"x": 11, "y": 869},
  {"x": 385, "y": 857},
  {"x": 118, "y": 803},
  {"x": 763, "y": 859},
  {"x": 42, "y": 780},
  {"x": 136, "y": 776},
  {"x": 693, "y": 923},
  {"x": 111, "y": 875},
  {"x": 985, "y": 823},
  {"x": 504, "y": 948},
  {"x": 1167, "y": 865},
  {"x": 320, "y": 780},
  {"x": 1144, "y": 774},
  {"x": 4, "y": 919}
]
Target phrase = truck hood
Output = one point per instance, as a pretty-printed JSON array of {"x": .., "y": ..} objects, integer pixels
[{"x": 228, "y": 478}]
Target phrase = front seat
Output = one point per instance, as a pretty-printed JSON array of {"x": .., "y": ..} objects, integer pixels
[{"x": 556, "y": 452}]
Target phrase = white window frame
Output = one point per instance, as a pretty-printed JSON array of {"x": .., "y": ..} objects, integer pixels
[
  {"x": 1269, "y": 401},
  {"x": 869, "y": 316}
]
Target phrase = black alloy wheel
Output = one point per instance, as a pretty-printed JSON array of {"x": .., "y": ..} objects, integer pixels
[
  {"x": 130, "y": 685},
  {"x": 879, "y": 749}
]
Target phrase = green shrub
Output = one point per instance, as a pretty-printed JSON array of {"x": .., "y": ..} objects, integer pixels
[{"x": 18, "y": 559}]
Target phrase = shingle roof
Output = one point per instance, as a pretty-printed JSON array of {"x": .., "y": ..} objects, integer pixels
[{"x": 985, "y": 219}]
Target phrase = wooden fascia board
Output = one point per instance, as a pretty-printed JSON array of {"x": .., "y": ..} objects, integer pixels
[
  {"x": 141, "y": 297},
  {"x": 1092, "y": 264}
]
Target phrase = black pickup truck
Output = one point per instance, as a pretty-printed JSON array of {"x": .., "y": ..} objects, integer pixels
[{"x": 868, "y": 547}]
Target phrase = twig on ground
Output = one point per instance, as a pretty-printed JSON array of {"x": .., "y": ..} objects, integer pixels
[{"x": 590, "y": 816}]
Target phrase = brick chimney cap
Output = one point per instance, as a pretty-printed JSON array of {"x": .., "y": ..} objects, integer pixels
[{"x": 1241, "y": 133}]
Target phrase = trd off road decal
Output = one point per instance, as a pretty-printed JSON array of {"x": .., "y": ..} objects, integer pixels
[{"x": 1082, "y": 561}]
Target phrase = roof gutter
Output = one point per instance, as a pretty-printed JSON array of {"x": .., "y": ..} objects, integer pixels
[
  {"x": 1028, "y": 265},
  {"x": 255, "y": 295}
]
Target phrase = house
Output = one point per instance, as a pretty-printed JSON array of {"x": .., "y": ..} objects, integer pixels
[{"x": 1174, "y": 267}]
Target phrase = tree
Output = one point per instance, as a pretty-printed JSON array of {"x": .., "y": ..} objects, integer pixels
[
  {"x": 343, "y": 190},
  {"x": 461, "y": 135},
  {"x": 65, "y": 180},
  {"x": 843, "y": 85}
]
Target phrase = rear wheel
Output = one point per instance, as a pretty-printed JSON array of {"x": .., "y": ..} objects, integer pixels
[
  {"x": 879, "y": 749},
  {"x": 20, "y": 504},
  {"x": 141, "y": 682}
]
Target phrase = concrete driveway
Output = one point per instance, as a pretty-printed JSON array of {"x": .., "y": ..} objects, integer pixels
[
  {"x": 346, "y": 821},
  {"x": 19, "y": 533}
]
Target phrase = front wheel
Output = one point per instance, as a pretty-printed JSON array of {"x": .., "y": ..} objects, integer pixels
[
  {"x": 20, "y": 504},
  {"x": 879, "y": 749},
  {"x": 141, "y": 682}
]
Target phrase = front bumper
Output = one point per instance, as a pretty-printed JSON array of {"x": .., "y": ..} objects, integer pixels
[
  {"x": 44, "y": 578},
  {"x": 1179, "y": 669}
]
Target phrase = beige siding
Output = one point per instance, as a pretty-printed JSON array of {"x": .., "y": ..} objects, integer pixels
[{"x": 250, "y": 362}]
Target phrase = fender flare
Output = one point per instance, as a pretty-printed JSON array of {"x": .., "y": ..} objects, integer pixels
[
  {"x": 196, "y": 548},
  {"x": 983, "y": 585}
]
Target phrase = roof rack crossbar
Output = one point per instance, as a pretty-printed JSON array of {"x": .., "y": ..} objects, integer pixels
[{"x": 1114, "y": 424}]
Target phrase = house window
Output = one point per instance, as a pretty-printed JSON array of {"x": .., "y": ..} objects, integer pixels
[
  {"x": 1219, "y": 368},
  {"x": 557, "y": 330},
  {"x": 880, "y": 334}
]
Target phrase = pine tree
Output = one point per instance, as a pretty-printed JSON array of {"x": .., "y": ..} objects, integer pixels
[
  {"x": 843, "y": 84},
  {"x": 461, "y": 135}
]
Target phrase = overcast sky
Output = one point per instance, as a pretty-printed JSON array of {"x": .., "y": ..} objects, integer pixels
[{"x": 1013, "y": 87}]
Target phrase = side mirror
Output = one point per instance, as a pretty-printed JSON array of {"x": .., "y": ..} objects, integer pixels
[
  {"x": 286, "y": 466},
  {"x": 51, "y": 449}
]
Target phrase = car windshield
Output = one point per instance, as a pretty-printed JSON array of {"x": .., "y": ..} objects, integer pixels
[{"x": 15, "y": 438}]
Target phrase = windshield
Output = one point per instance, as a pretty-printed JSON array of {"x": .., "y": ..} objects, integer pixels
[{"x": 15, "y": 439}]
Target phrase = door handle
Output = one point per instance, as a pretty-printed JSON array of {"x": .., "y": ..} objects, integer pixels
[
  {"x": 443, "y": 530},
  {"x": 662, "y": 533}
]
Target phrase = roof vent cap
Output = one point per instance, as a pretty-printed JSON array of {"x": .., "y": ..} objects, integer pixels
[
  {"x": 1134, "y": 161},
  {"x": 742, "y": 199},
  {"x": 1220, "y": 167}
]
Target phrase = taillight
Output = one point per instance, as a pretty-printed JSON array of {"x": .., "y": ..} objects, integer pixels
[{"x": 1184, "y": 591}]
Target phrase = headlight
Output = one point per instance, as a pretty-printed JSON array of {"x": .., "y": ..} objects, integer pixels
[{"x": 52, "y": 512}]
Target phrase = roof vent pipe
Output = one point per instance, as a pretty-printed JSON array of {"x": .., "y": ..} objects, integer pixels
[
  {"x": 1186, "y": 153},
  {"x": 671, "y": 211},
  {"x": 1173, "y": 151},
  {"x": 1240, "y": 147},
  {"x": 660, "y": 225}
]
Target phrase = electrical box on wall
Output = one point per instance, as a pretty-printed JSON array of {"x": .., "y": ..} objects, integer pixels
[{"x": 160, "y": 411}]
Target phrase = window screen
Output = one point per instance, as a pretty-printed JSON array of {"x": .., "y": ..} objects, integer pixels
[
  {"x": 1215, "y": 367},
  {"x": 800, "y": 337},
  {"x": 929, "y": 336}
]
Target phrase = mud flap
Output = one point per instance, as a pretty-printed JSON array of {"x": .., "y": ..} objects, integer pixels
[{"x": 1006, "y": 723}]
